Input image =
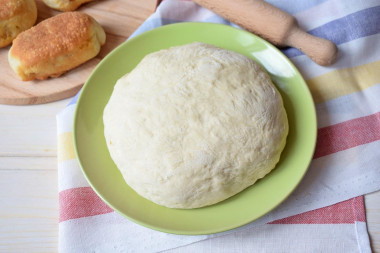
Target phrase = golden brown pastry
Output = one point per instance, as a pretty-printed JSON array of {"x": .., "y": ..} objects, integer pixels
[
  {"x": 15, "y": 16},
  {"x": 56, "y": 45},
  {"x": 65, "y": 5}
]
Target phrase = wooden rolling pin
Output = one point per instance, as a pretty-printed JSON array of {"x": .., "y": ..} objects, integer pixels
[{"x": 275, "y": 25}]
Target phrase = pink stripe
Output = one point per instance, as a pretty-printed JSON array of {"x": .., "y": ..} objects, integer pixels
[
  {"x": 359, "y": 209},
  {"x": 346, "y": 212},
  {"x": 83, "y": 202},
  {"x": 347, "y": 135},
  {"x": 80, "y": 202}
]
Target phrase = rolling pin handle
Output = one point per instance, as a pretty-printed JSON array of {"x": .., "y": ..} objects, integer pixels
[{"x": 321, "y": 51}]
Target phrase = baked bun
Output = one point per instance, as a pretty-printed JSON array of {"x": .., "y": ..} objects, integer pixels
[
  {"x": 55, "y": 46},
  {"x": 65, "y": 5},
  {"x": 16, "y": 16}
]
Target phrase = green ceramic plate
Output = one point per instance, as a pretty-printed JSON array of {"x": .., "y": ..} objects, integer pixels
[{"x": 236, "y": 211}]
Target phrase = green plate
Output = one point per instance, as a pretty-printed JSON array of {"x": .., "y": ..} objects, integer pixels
[{"x": 236, "y": 211}]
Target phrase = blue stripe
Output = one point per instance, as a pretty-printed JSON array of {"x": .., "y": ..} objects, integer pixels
[
  {"x": 353, "y": 26},
  {"x": 217, "y": 19},
  {"x": 295, "y": 6},
  {"x": 157, "y": 22},
  {"x": 152, "y": 23},
  {"x": 75, "y": 99}
]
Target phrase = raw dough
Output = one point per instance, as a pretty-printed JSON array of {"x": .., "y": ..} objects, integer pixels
[{"x": 195, "y": 124}]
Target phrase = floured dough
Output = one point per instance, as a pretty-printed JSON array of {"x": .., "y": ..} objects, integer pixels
[{"x": 193, "y": 125}]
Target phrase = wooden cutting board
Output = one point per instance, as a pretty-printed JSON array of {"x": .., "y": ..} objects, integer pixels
[{"x": 119, "y": 18}]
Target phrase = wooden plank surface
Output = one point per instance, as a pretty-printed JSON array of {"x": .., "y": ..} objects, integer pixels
[
  {"x": 29, "y": 210},
  {"x": 372, "y": 202},
  {"x": 20, "y": 125},
  {"x": 119, "y": 18},
  {"x": 28, "y": 146}
]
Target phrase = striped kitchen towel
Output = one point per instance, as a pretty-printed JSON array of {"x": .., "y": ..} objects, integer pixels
[{"x": 326, "y": 212}]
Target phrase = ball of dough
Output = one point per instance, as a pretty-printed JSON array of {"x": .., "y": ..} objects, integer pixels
[
  {"x": 194, "y": 125},
  {"x": 15, "y": 16}
]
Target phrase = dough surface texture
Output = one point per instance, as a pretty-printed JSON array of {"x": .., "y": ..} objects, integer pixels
[{"x": 194, "y": 125}]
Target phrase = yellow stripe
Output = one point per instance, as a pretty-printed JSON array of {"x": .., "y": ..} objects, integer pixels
[
  {"x": 65, "y": 147},
  {"x": 325, "y": 87},
  {"x": 344, "y": 81}
]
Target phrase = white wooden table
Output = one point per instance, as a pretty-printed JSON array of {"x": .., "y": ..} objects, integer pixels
[
  {"x": 28, "y": 143},
  {"x": 28, "y": 159},
  {"x": 28, "y": 180}
]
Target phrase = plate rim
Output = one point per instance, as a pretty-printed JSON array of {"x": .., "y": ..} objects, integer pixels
[{"x": 208, "y": 231}]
